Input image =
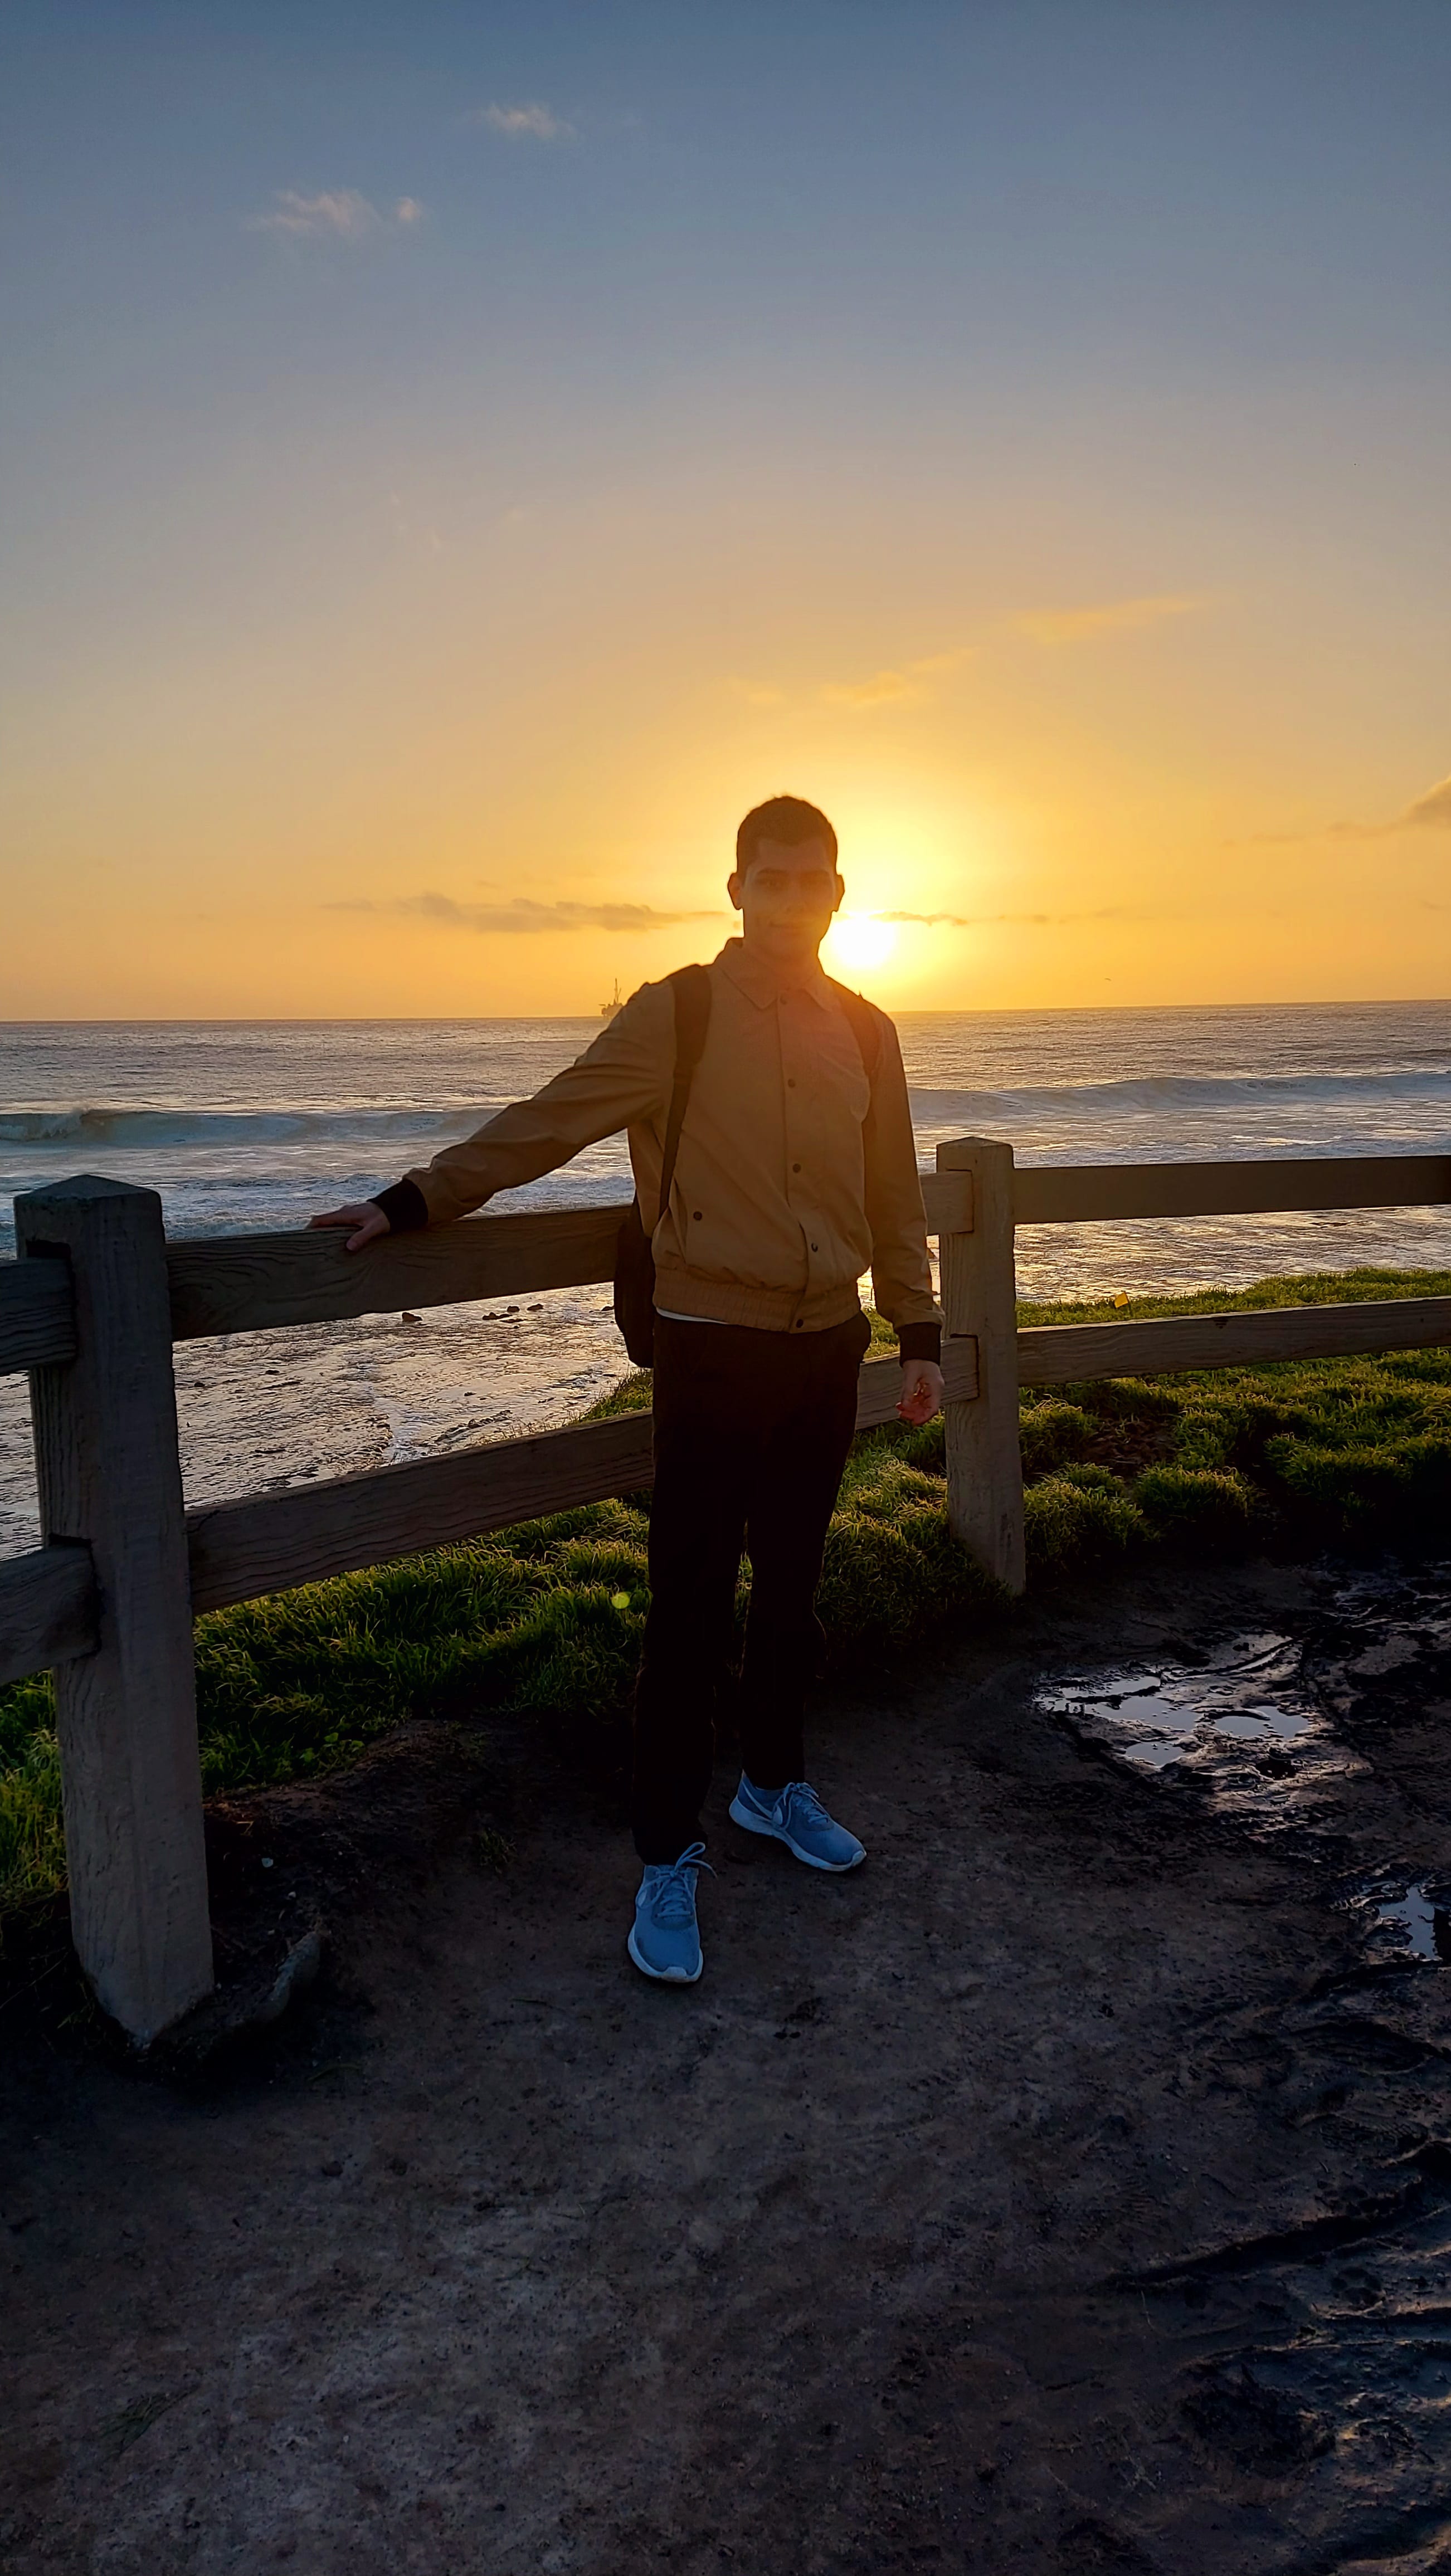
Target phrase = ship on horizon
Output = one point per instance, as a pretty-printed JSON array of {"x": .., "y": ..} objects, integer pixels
[{"x": 615, "y": 1003}]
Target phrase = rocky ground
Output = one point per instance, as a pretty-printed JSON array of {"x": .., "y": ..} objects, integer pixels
[{"x": 1069, "y": 2190}]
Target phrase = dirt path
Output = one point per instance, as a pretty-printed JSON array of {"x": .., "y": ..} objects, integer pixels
[{"x": 1066, "y": 2191}]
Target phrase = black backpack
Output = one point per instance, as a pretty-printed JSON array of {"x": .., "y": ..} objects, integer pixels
[{"x": 634, "y": 1252}]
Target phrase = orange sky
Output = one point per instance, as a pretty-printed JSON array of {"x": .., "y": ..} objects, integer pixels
[{"x": 477, "y": 506}]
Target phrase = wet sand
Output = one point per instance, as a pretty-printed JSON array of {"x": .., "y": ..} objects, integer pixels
[{"x": 1070, "y": 2189}]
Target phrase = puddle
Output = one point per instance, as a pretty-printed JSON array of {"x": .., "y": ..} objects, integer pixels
[
  {"x": 1408, "y": 1918},
  {"x": 1259, "y": 1727},
  {"x": 1243, "y": 1724}
]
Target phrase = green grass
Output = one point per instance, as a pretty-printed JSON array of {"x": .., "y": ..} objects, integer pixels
[{"x": 1294, "y": 1454}]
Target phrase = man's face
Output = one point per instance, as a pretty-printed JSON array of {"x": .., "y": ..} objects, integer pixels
[{"x": 786, "y": 897}]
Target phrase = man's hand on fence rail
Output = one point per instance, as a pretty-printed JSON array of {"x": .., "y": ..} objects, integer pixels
[
  {"x": 368, "y": 1223},
  {"x": 921, "y": 1394}
]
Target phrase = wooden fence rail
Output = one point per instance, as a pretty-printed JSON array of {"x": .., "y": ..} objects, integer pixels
[
  {"x": 37, "y": 1315},
  {"x": 48, "y": 1609},
  {"x": 97, "y": 1297},
  {"x": 1104, "y": 1193},
  {"x": 1060, "y": 1354}
]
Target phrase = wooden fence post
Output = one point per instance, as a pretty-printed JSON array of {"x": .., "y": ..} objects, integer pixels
[
  {"x": 979, "y": 1296},
  {"x": 110, "y": 1477}
]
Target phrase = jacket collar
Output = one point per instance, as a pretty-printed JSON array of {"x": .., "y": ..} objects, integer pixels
[{"x": 764, "y": 984}]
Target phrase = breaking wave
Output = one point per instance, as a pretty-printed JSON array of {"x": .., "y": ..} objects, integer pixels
[
  {"x": 1161, "y": 1095},
  {"x": 1156, "y": 1095},
  {"x": 235, "y": 1129}
]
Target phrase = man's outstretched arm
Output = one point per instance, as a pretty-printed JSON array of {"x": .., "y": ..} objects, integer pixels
[{"x": 623, "y": 1078}]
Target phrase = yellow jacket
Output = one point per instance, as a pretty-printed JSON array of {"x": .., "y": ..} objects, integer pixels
[{"x": 792, "y": 1177}]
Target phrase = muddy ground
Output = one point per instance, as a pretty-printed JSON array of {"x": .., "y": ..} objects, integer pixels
[{"x": 1069, "y": 2190}]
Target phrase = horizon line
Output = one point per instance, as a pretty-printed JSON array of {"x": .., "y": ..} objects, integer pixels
[{"x": 454, "y": 1019}]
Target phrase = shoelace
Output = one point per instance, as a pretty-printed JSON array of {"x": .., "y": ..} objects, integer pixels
[
  {"x": 672, "y": 1895},
  {"x": 798, "y": 1795}
]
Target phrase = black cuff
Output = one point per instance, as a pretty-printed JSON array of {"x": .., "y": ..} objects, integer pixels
[
  {"x": 404, "y": 1206},
  {"x": 920, "y": 1342}
]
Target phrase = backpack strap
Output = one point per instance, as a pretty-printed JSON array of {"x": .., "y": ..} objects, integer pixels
[
  {"x": 866, "y": 1028},
  {"x": 691, "y": 987}
]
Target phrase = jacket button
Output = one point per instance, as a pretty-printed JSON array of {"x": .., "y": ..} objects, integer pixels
[
  {"x": 790, "y": 1081},
  {"x": 795, "y": 1167},
  {"x": 816, "y": 1247},
  {"x": 695, "y": 1220},
  {"x": 799, "y": 1320}
]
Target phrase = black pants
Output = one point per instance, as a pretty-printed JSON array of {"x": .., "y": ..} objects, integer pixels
[{"x": 751, "y": 1435}]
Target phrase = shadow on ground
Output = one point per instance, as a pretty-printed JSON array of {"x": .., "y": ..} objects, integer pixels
[{"x": 1068, "y": 2190}]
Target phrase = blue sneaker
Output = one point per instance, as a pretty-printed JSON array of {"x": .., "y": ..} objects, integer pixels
[
  {"x": 664, "y": 1938},
  {"x": 797, "y": 1818}
]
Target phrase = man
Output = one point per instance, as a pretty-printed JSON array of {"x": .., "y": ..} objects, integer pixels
[{"x": 796, "y": 1168}]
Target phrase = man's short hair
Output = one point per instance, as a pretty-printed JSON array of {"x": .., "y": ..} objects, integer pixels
[{"x": 787, "y": 819}]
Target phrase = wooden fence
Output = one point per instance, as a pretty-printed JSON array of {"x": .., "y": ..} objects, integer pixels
[{"x": 97, "y": 1297}]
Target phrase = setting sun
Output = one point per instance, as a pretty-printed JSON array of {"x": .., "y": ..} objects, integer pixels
[
  {"x": 857, "y": 940},
  {"x": 421, "y": 645}
]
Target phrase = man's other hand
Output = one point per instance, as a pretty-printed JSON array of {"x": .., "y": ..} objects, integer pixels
[
  {"x": 368, "y": 1223},
  {"x": 921, "y": 1394}
]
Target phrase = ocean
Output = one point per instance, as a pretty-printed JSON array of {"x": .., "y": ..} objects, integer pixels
[{"x": 248, "y": 1126}]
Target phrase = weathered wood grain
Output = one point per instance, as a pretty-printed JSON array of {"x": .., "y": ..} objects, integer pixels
[
  {"x": 110, "y": 1478},
  {"x": 1057, "y": 1354},
  {"x": 47, "y": 1609},
  {"x": 947, "y": 1197},
  {"x": 37, "y": 1315},
  {"x": 961, "y": 1376},
  {"x": 1097, "y": 1193},
  {"x": 251, "y": 1282},
  {"x": 268, "y": 1542},
  {"x": 879, "y": 1384},
  {"x": 984, "y": 1465}
]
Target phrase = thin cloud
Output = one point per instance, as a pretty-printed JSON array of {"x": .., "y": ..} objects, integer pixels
[
  {"x": 1114, "y": 617},
  {"x": 895, "y": 687},
  {"x": 1428, "y": 813},
  {"x": 883, "y": 689},
  {"x": 1431, "y": 812},
  {"x": 930, "y": 920},
  {"x": 522, "y": 914},
  {"x": 1017, "y": 920},
  {"x": 534, "y": 123},
  {"x": 335, "y": 214}
]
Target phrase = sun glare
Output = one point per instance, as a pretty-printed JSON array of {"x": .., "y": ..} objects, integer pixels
[{"x": 857, "y": 940}]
